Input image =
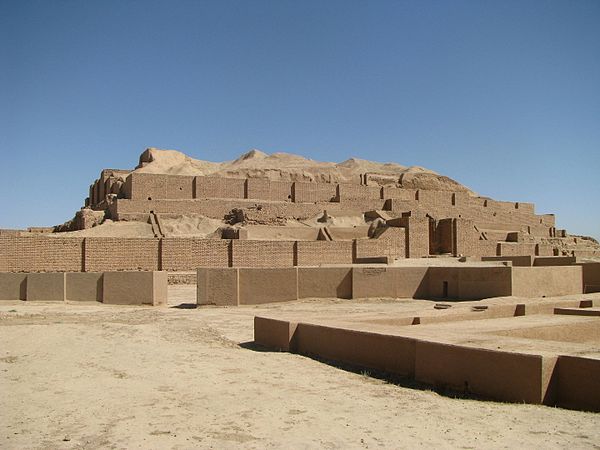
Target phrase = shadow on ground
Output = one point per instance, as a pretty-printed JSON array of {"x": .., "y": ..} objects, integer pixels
[
  {"x": 185, "y": 306},
  {"x": 387, "y": 377}
]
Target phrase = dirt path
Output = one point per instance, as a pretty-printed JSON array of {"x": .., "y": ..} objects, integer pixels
[{"x": 78, "y": 376}]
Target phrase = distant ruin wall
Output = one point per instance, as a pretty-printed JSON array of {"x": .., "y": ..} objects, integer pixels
[
  {"x": 263, "y": 253},
  {"x": 33, "y": 253},
  {"x": 180, "y": 187},
  {"x": 217, "y": 187},
  {"x": 132, "y": 288},
  {"x": 304, "y": 192},
  {"x": 98, "y": 254},
  {"x": 392, "y": 243},
  {"x": 124, "y": 209},
  {"x": 486, "y": 213},
  {"x": 115, "y": 254},
  {"x": 547, "y": 281},
  {"x": 465, "y": 237},
  {"x": 139, "y": 186},
  {"x": 315, "y": 253},
  {"x": 486, "y": 248},
  {"x": 102, "y": 254},
  {"x": 353, "y": 191},
  {"x": 182, "y": 254},
  {"x": 516, "y": 249},
  {"x": 418, "y": 237}
]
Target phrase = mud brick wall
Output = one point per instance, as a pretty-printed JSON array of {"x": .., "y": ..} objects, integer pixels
[
  {"x": 217, "y": 209},
  {"x": 516, "y": 249},
  {"x": 258, "y": 188},
  {"x": 399, "y": 193},
  {"x": 314, "y": 253},
  {"x": 398, "y": 206},
  {"x": 544, "y": 250},
  {"x": 190, "y": 253},
  {"x": 97, "y": 191},
  {"x": 112, "y": 254},
  {"x": 486, "y": 248},
  {"x": 264, "y": 189},
  {"x": 40, "y": 254},
  {"x": 371, "y": 248},
  {"x": 526, "y": 208},
  {"x": 394, "y": 240},
  {"x": 443, "y": 236},
  {"x": 547, "y": 219},
  {"x": 9, "y": 232},
  {"x": 144, "y": 186},
  {"x": 499, "y": 205},
  {"x": 210, "y": 208},
  {"x": 434, "y": 199},
  {"x": 263, "y": 253},
  {"x": 586, "y": 253},
  {"x": 217, "y": 187},
  {"x": 280, "y": 191},
  {"x": 101, "y": 193},
  {"x": 107, "y": 187},
  {"x": 180, "y": 186},
  {"x": 539, "y": 230},
  {"x": 487, "y": 213},
  {"x": 460, "y": 199},
  {"x": 304, "y": 192},
  {"x": 357, "y": 205},
  {"x": 347, "y": 191},
  {"x": 418, "y": 237},
  {"x": 465, "y": 237}
]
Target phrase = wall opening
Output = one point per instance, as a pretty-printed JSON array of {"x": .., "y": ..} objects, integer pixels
[{"x": 445, "y": 289}]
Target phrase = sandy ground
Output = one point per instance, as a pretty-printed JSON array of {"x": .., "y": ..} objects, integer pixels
[{"x": 100, "y": 376}]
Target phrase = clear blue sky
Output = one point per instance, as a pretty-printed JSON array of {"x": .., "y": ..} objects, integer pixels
[{"x": 503, "y": 96}]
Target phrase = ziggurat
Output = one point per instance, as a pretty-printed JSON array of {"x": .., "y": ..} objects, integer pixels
[{"x": 299, "y": 218}]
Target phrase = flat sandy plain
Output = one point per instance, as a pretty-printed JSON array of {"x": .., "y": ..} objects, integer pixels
[{"x": 101, "y": 376}]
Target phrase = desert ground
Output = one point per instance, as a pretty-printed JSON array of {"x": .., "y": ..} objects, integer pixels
[{"x": 100, "y": 376}]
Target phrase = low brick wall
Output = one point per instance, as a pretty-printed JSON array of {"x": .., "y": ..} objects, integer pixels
[{"x": 124, "y": 288}]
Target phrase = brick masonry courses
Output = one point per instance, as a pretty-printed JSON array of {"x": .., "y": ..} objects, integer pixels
[{"x": 266, "y": 201}]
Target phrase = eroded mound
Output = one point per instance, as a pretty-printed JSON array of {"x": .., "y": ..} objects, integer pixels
[{"x": 290, "y": 167}]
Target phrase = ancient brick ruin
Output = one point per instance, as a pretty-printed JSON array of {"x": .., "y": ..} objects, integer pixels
[{"x": 336, "y": 231}]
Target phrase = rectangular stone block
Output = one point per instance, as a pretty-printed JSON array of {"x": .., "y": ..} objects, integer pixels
[
  {"x": 505, "y": 376},
  {"x": 217, "y": 286},
  {"x": 468, "y": 283},
  {"x": 84, "y": 287},
  {"x": 274, "y": 334},
  {"x": 546, "y": 281},
  {"x": 258, "y": 286},
  {"x": 135, "y": 288},
  {"x": 590, "y": 277},
  {"x": 13, "y": 286},
  {"x": 517, "y": 261},
  {"x": 554, "y": 260},
  {"x": 325, "y": 282},
  {"x": 388, "y": 282},
  {"x": 578, "y": 383},
  {"x": 46, "y": 287},
  {"x": 395, "y": 354}
]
